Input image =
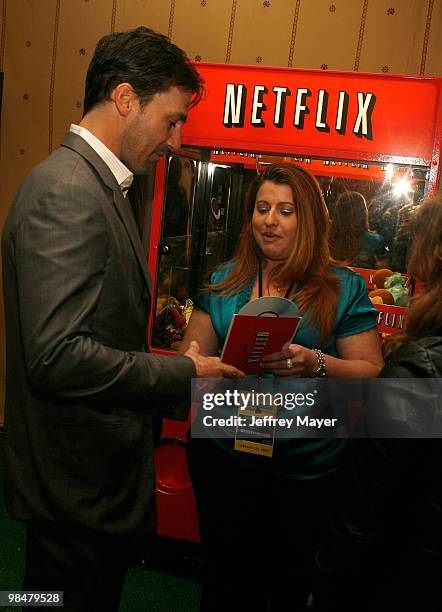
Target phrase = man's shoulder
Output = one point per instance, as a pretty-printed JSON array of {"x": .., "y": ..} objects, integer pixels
[
  {"x": 60, "y": 164},
  {"x": 61, "y": 178},
  {"x": 63, "y": 169}
]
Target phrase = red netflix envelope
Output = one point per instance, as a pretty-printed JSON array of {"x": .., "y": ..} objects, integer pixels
[{"x": 250, "y": 338}]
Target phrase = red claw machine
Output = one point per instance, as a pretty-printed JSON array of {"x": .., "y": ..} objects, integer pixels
[{"x": 379, "y": 135}]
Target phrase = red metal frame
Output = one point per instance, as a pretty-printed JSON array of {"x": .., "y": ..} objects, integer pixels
[{"x": 155, "y": 235}]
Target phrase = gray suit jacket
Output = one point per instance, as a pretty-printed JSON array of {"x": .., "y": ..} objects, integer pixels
[{"x": 80, "y": 388}]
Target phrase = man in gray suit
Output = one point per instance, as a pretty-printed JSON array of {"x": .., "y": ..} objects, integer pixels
[{"x": 81, "y": 387}]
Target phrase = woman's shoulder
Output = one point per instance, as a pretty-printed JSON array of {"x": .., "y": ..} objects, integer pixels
[
  {"x": 222, "y": 272},
  {"x": 346, "y": 275},
  {"x": 208, "y": 299},
  {"x": 373, "y": 235},
  {"x": 355, "y": 312}
]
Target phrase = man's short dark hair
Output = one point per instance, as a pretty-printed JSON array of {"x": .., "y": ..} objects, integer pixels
[{"x": 145, "y": 59}]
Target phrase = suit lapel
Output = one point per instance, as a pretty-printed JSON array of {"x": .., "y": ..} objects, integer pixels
[
  {"x": 122, "y": 205},
  {"x": 126, "y": 214}
]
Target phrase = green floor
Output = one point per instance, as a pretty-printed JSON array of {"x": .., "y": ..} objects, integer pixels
[{"x": 145, "y": 589}]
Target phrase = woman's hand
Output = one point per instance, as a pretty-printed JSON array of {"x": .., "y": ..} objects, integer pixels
[
  {"x": 293, "y": 360},
  {"x": 359, "y": 357}
]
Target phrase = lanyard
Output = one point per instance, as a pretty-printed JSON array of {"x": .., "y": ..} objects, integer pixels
[{"x": 287, "y": 293}]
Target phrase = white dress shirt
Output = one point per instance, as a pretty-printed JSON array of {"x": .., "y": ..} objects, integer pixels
[{"x": 122, "y": 174}]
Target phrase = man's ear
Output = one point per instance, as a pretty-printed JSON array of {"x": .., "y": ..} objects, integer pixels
[{"x": 124, "y": 98}]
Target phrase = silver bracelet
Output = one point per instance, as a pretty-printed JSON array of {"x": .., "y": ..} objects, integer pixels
[{"x": 321, "y": 370}]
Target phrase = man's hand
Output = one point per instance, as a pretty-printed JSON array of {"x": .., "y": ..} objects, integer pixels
[{"x": 210, "y": 367}]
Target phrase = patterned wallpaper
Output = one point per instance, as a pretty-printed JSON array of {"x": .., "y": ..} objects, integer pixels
[{"x": 46, "y": 45}]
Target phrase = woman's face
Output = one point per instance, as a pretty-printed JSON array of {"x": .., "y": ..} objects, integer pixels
[{"x": 274, "y": 220}]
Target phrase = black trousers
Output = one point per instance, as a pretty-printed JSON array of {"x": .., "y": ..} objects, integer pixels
[
  {"x": 260, "y": 532},
  {"x": 89, "y": 567}
]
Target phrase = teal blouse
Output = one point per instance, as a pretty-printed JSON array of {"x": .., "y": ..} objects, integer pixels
[{"x": 300, "y": 458}]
